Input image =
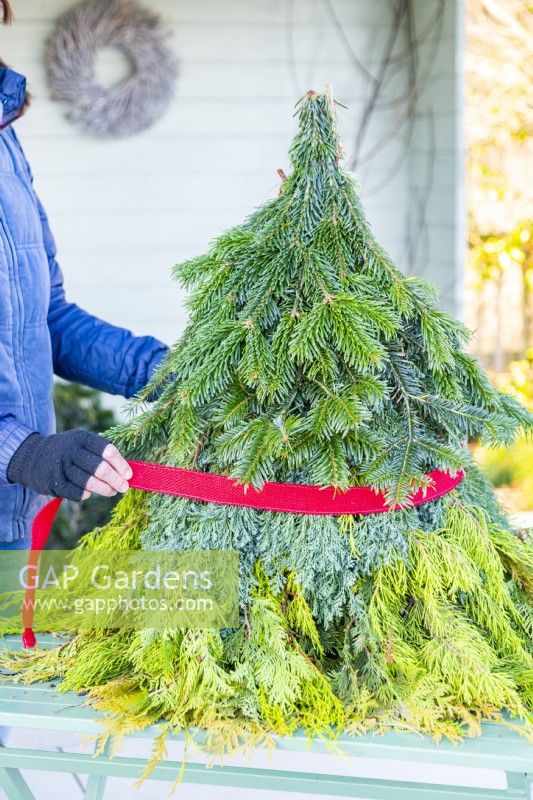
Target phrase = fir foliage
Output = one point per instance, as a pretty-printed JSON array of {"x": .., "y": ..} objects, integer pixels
[{"x": 310, "y": 358}]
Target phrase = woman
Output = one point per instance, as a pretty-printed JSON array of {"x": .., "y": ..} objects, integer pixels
[{"x": 41, "y": 333}]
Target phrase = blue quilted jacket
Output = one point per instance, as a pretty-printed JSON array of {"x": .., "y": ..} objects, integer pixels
[{"x": 40, "y": 332}]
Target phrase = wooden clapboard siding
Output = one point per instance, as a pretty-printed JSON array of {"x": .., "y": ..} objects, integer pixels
[{"x": 125, "y": 211}]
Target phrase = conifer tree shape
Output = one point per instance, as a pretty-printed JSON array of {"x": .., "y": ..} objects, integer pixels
[{"x": 309, "y": 358}]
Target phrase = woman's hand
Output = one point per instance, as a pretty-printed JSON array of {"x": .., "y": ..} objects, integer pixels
[
  {"x": 73, "y": 465},
  {"x": 111, "y": 475}
]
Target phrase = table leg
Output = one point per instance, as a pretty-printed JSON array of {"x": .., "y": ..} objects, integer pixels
[
  {"x": 519, "y": 785},
  {"x": 14, "y": 785},
  {"x": 96, "y": 783}
]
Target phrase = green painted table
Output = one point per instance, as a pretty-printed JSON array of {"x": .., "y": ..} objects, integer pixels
[{"x": 40, "y": 707}]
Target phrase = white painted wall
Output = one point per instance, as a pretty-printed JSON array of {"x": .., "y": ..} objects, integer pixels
[
  {"x": 437, "y": 214},
  {"x": 125, "y": 211}
]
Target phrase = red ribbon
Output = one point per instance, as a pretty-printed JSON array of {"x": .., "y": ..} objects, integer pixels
[{"x": 288, "y": 498}]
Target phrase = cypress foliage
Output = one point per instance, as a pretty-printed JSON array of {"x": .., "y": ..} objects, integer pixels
[{"x": 309, "y": 358}]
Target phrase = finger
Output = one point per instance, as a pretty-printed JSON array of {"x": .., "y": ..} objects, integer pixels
[
  {"x": 70, "y": 491},
  {"x": 79, "y": 477},
  {"x": 85, "y": 495},
  {"x": 92, "y": 464},
  {"x": 96, "y": 486},
  {"x": 106, "y": 473},
  {"x": 118, "y": 462},
  {"x": 74, "y": 480},
  {"x": 91, "y": 441},
  {"x": 86, "y": 461}
]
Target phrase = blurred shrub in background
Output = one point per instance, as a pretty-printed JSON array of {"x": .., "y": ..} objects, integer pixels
[
  {"x": 80, "y": 407},
  {"x": 511, "y": 473},
  {"x": 499, "y": 126},
  {"x": 499, "y": 270},
  {"x": 511, "y": 469}
]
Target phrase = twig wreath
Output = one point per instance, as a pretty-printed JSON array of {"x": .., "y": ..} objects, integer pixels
[{"x": 134, "y": 103}]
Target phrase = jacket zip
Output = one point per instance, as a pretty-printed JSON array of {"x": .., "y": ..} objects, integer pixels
[
  {"x": 14, "y": 263},
  {"x": 22, "y": 503}
]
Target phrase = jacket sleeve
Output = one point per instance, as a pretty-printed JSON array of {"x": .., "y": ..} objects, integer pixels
[
  {"x": 87, "y": 349},
  {"x": 12, "y": 434}
]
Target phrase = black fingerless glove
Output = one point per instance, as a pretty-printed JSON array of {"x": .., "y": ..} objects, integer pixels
[{"x": 59, "y": 465}]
